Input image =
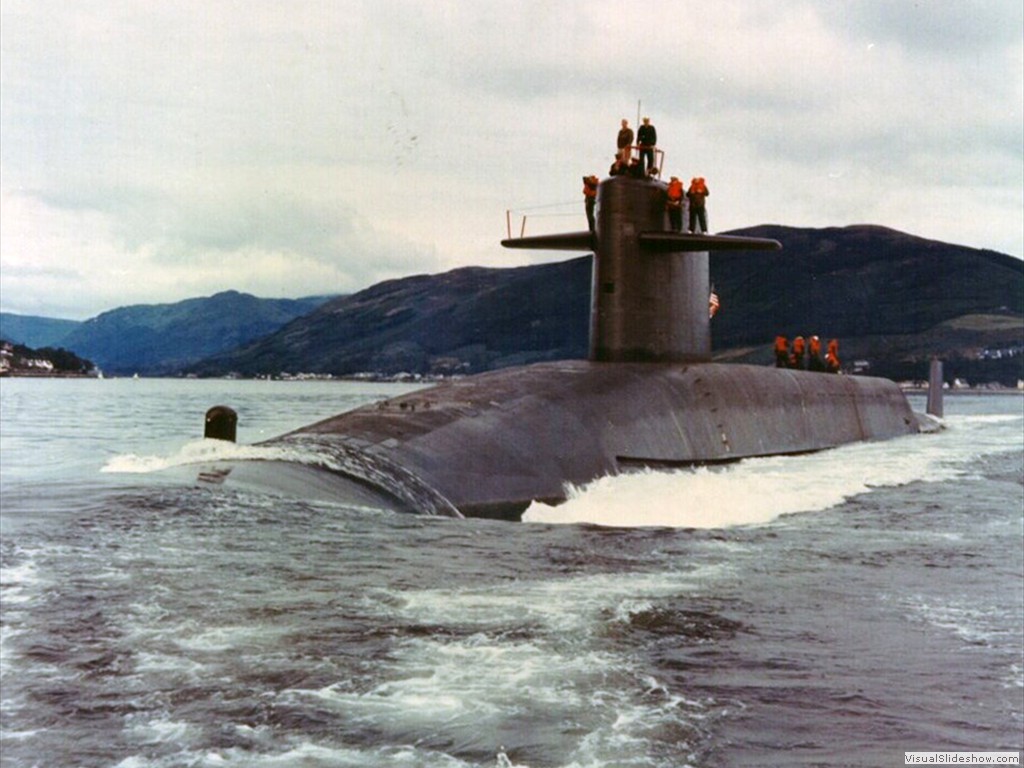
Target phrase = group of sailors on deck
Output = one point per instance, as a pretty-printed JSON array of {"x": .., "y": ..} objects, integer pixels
[
  {"x": 642, "y": 166},
  {"x": 806, "y": 356}
]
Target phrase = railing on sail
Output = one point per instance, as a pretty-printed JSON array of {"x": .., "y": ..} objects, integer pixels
[
  {"x": 634, "y": 154},
  {"x": 659, "y": 158},
  {"x": 575, "y": 206}
]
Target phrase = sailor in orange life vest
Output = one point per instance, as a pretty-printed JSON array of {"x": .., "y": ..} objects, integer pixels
[
  {"x": 697, "y": 194},
  {"x": 590, "y": 198},
  {"x": 796, "y": 356},
  {"x": 832, "y": 364},
  {"x": 814, "y": 361},
  {"x": 674, "y": 204},
  {"x": 625, "y": 141},
  {"x": 781, "y": 352}
]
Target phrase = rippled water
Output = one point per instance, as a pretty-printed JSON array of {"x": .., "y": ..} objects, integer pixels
[{"x": 834, "y": 609}]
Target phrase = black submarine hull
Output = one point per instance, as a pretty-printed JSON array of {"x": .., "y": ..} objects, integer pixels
[{"x": 489, "y": 445}]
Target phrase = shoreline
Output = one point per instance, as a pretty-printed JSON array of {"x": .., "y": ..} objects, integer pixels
[
  {"x": 969, "y": 391},
  {"x": 34, "y": 375}
]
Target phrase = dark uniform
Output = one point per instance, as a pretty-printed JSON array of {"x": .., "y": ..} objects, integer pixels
[
  {"x": 590, "y": 198},
  {"x": 646, "y": 139}
]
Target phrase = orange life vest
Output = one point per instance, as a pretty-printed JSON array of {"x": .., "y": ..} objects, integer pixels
[{"x": 832, "y": 363}]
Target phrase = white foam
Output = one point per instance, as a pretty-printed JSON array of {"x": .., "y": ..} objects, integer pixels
[
  {"x": 206, "y": 450},
  {"x": 536, "y": 641},
  {"x": 18, "y": 588},
  {"x": 310, "y": 755},
  {"x": 15, "y": 581},
  {"x": 159, "y": 731},
  {"x": 989, "y": 418},
  {"x": 756, "y": 491},
  {"x": 1015, "y": 679},
  {"x": 180, "y": 666},
  {"x": 973, "y": 624},
  {"x": 7, "y": 633},
  {"x": 20, "y": 735},
  {"x": 502, "y": 761},
  {"x": 567, "y": 608}
]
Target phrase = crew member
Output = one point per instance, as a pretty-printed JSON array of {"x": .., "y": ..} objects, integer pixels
[
  {"x": 832, "y": 364},
  {"x": 647, "y": 140},
  {"x": 796, "y": 355},
  {"x": 814, "y": 361},
  {"x": 625, "y": 141},
  {"x": 697, "y": 194},
  {"x": 781, "y": 352},
  {"x": 590, "y": 198},
  {"x": 618, "y": 167},
  {"x": 674, "y": 204}
]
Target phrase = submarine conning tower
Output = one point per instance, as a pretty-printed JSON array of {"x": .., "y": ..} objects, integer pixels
[
  {"x": 650, "y": 284},
  {"x": 646, "y": 306}
]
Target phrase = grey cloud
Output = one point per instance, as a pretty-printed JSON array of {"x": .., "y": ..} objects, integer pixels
[
  {"x": 374, "y": 140},
  {"x": 940, "y": 28}
]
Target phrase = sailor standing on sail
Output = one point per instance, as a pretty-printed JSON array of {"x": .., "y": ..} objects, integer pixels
[
  {"x": 590, "y": 198},
  {"x": 625, "y": 141},
  {"x": 646, "y": 139},
  {"x": 674, "y": 204},
  {"x": 697, "y": 194}
]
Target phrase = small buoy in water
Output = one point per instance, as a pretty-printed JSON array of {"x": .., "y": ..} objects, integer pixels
[{"x": 221, "y": 423}]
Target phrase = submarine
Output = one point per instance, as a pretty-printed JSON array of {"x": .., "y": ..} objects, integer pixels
[{"x": 647, "y": 396}]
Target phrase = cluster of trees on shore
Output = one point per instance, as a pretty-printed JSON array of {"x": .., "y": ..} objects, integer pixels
[{"x": 20, "y": 359}]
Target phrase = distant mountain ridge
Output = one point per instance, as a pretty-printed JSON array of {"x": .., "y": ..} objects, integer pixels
[
  {"x": 859, "y": 281},
  {"x": 35, "y": 331},
  {"x": 471, "y": 318},
  {"x": 159, "y": 339},
  {"x": 888, "y": 295},
  {"x": 891, "y": 298}
]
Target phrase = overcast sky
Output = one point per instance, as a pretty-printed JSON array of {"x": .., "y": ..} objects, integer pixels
[{"x": 155, "y": 151}]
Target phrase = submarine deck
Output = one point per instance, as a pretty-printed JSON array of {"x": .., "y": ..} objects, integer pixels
[{"x": 490, "y": 444}]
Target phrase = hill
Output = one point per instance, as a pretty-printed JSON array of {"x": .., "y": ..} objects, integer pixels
[
  {"x": 34, "y": 331},
  {"x": 164, "y": 338},
  {"x": 893, "y": 300},
  {"x": 890, "y": 297},
  {"x": 470, "y": 319}
]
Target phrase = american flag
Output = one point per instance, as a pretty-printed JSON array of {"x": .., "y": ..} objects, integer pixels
[{"x": 713, "y": 303}]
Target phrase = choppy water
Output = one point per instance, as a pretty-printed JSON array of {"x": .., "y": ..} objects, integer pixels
[{"x": 834, "y": 609}]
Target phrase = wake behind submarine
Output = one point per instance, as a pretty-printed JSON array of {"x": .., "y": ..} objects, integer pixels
[{"x": 648, "y": 396}]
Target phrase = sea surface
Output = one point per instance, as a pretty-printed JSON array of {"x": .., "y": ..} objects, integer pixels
[{"x": 834, "y": 609}]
